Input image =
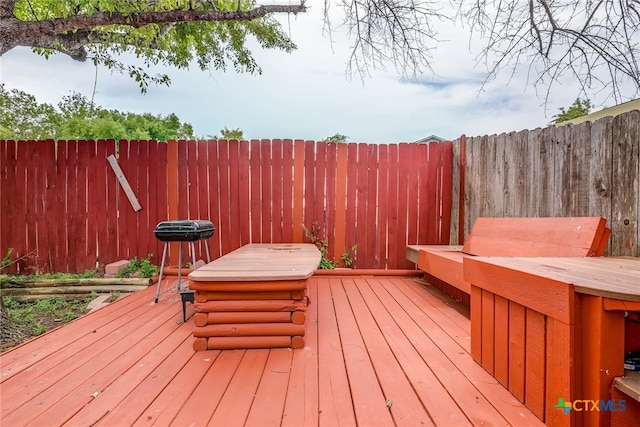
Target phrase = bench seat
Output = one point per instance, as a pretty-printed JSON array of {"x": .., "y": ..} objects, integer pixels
[{"x": 513, "y": 237}]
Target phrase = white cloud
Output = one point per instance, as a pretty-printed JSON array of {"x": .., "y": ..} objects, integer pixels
[{"x": 307, "y": 95}]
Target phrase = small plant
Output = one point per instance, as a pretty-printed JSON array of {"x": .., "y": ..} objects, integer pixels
[
  {"x": 141, "y": 266},
  {"x": 347, "y": 257},
  {"x": 10, "y": 303},
  {"x": 6, "y": 261},
  {"x": 313, "y": 234}
]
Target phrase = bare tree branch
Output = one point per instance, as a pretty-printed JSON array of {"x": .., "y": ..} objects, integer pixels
[{"x": 561, "y": 39}]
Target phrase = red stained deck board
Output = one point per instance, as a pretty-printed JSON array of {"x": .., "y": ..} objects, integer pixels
[
  {"x": 369, "y": 401},
  {"x": 368, "y": 340},
  {"x": 405, "y": 407},
  {"x": 63, "y": 340},
  {"x": 490, "y": 395},
  {"x": 170, "y": 399},
  {"x": 268, "y": 403},
  {"x": 205, "y": 398},
  {"x": 117, "y": 392},
  {"x": 334, "y": 387},
  {"x": 393, "y": 321},
  {"x": 144, "y": 393},
  {"x": 239, "y": 395},
  {"x": 301, "y": 406},
  {"x": 62, "y": 363},
  {"x": 56, "y": 404}
]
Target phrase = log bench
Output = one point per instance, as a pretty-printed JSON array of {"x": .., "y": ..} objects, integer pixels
[
  {"x": 253, "y": 297},
  {"x": 554, "y": 328},
  {"x": 513, "y": 237}
]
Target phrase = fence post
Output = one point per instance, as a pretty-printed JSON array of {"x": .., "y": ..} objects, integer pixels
[
  {"x": 172, "y": 192},
  {"x": 461, "y": 204}
]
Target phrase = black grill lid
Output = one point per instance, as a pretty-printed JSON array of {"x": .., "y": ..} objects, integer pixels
[{"x": 184, "y": 230}]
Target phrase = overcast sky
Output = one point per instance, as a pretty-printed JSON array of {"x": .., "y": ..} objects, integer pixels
[{"x": 307, "y": 95}]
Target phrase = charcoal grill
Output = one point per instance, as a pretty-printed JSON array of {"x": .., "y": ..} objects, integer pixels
[{"x": 188, "y": 231}]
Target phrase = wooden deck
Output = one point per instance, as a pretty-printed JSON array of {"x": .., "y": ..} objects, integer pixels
[{"x": 381, "y": 350}]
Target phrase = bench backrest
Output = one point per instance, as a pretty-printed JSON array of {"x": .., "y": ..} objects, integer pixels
[{"x": 533, "y": 237}]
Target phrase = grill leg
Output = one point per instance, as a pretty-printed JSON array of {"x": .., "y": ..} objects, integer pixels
[
  {"x": 193, "y": 255},
  {"x": 179, "y": 266},
  {"x": 164, "y": 257},
  {"x": 206, "y": 249}
]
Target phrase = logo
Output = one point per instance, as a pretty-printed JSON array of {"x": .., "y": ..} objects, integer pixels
[
  {"x": 590, "y": 405},
  {"x": 565, "y": 406}
]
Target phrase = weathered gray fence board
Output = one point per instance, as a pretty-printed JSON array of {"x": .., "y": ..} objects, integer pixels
[
  {"x": 600, "y": 168},
  {"x": 458, "y": 159},
  {"x": 624, "y": 200},
  {"x": 590, "y": 169}
]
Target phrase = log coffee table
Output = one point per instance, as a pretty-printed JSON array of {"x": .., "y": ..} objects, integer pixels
[{"x": 253, "y": 297}]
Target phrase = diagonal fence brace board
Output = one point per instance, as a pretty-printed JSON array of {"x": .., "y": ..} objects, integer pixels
[{"x": 124, "y": 183}]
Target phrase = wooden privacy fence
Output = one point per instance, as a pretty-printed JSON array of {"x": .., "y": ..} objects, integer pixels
[
  {"x": 590, "y": 169},
  {"x": 64, "y": 210}
]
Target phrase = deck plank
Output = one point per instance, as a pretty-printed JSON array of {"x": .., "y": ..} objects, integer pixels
[
  {"x": 61, "y": 362},
  {"x": 301, "y": 405},
  {"x": 60, "y": 382},
  {"x": 380, "y": 350},
  {"x": 60, "y": 338},
  {"x": 170, "y": 399},
  {"x": 235, "y": 404},
  {"x": 138, "y": 400},
  {"x": 117, "y": 391},
  {"x": 268, "y": 404},
  {"x": 405, "y": 407},
  {"x": 397, "y": 328},
  {"x": 333, "y": 387},
  {"x": 369, "y": 402},
  {"x": 201, "y": 404},
  {"x": 99, "y": 374}
]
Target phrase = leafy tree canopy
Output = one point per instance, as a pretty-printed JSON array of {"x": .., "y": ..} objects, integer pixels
[
  {"x": 337, "y": 137},
  {"x": 579, "y": 108},
  {"x": 22, "y": 117},
  {"x": 175, "y": 33},
  {"x": 225, "y": 133}
]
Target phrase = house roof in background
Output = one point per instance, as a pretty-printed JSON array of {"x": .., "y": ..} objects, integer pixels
[
  {"x": 606, "y": 112},
  {"x": 430, "y": 138}
]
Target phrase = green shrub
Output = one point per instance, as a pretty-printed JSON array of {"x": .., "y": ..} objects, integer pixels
[{"x": 140, "y": 266}]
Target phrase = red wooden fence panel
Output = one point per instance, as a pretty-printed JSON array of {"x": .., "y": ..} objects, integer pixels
[
  {"x": 243, "y": 191},
  {"x": 214, "y": 202},
  {"x": 62, "y": 205},
  {"x": 277, "y": 184},
  {"x": 263, "y": 181},
  {"x": 235, "y": 216},
  {"x": 11, "y": 183},
  {"x": 287, "y": 190}
]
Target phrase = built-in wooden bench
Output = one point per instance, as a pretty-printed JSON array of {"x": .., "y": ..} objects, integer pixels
[
  {"x": 554, "y": 328},
  {"x": 253, "y": 297},
  {"x": 513, "y": 237}
]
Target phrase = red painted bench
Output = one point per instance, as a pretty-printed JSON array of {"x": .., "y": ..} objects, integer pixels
[
  {"x": 513, "y": 237},
  {"x": 552, "y": 331}
]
